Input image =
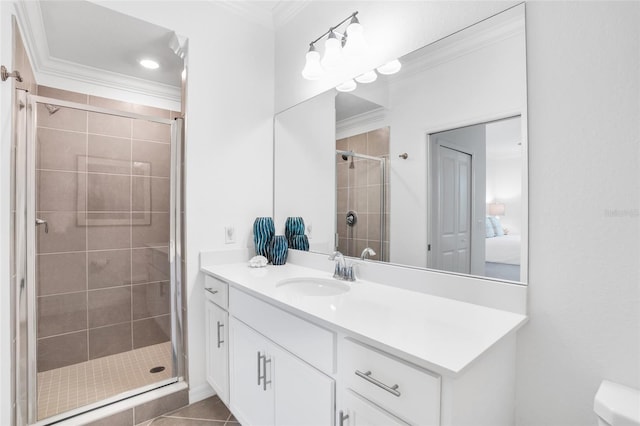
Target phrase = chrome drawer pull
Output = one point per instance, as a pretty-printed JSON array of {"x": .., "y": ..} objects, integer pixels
[
  {"x": 259, "y": 365},
  {"x": 265, "y": 382},
  {"x": 262, "y": 377},
  {"x": 219, "y": 326},
  {"x": 211, "y": 291},
  {"x": 367, "y": 376},
  {"x": 343, "y": 417}
]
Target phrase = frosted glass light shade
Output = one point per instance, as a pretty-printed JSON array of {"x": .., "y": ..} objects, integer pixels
[
  {"x": 347, "y": 86},
  {"x": 356, "y": 44},
  {"x": 312, "y": 69},
  {"x": 367, "y": 77},
  {"x": 390, "y": 67},
  {"x": 332, "y": 53}
]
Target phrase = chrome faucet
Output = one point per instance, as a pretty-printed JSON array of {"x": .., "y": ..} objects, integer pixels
[
  {"x": 367, "y": 252},
  {"x": 342, "y": 271}
]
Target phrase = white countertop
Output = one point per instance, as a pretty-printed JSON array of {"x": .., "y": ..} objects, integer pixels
[{"x": 440, "y": 334}]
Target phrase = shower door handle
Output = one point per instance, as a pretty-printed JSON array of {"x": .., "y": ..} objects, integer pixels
[{"x": 43, "y": 222}]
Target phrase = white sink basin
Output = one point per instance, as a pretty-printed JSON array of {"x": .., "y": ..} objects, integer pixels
[{"x": 309, "y": 286}]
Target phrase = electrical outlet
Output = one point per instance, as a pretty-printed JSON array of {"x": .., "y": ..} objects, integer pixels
[
  {"x": 309, "y": 230},
  {"x": 229, "y": 234}
]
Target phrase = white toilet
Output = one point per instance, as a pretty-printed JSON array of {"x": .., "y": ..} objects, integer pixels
[{"x": 617, "y": 405}]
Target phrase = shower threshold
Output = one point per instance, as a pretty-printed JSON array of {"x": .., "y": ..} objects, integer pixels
[{"x": 67, "y": 388}]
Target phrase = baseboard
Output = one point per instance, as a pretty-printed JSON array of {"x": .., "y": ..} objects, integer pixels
[{"x": 201, "y": 392}]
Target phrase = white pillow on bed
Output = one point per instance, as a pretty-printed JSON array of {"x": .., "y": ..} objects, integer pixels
[
  {"x": 497, "y": 226},
  {"x": 489, "y": 229}
]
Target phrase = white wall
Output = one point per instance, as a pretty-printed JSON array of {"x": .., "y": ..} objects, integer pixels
[
  {"x": 584, "y": 159},
  {"x": 304, "y": 175},
  {"x": 229, "y": 137},
  {"x": 584, "y": 167}
]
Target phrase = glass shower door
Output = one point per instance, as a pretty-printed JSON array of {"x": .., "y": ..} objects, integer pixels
[{"x": 101, "y": 278}]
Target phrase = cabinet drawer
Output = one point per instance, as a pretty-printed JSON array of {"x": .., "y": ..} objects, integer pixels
[
  {"x": 357, "y": 411},
  {"x": 216, "y": 291},
  {"x": 314, "y": 344},
  {"x": 404, "y": 390}
]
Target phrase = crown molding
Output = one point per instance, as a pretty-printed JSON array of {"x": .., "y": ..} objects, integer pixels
[
  {"x": 285, "y": 11},
  {"x": 476, "y": 37},
  {"x": 48, "y": 68},
  {"x": 270, "y": 18},
  {"x": 256, "y": 14},
  {"x": 370, "y": 120}
]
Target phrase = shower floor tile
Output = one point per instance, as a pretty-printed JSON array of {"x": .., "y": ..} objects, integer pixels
[{"x": 67, "y": 388}]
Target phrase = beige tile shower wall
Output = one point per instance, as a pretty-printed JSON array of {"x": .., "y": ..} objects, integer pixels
[
  {"x": 359, "y": 189},
  {"x": 103, "y": 186}
]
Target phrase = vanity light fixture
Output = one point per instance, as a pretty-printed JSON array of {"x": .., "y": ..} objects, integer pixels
[
  {"x": 332, "y": 58},
  {"x": 367, "y": 77},
  {"x": 355, "y": 44},
  {"x": 347, "y": 86},
  {"x": 389, "y": 68},
  {"x": 337, "y": 45},
  {"x": 312, "y": 68},
  {"x": 149, "y": 64}
]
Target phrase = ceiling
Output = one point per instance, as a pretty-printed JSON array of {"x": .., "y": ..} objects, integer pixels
[
  {"x": 94, "y": 36},
  {"x": 86, "y": 42}
]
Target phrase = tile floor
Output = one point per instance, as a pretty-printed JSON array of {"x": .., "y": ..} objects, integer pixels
[
  {"x": 66, "y": 388},
  {"x": 208, "y": 412}
]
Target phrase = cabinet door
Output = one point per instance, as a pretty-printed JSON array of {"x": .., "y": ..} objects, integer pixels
[
  {"x": 357, "y": 411},
  {"x": 217, "y": 355},
  {"x": 251, "y": 388},
  {"x": 303, "y": 395}
]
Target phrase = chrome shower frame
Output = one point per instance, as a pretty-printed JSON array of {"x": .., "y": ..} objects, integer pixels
[{"x": 25, "y": 301}]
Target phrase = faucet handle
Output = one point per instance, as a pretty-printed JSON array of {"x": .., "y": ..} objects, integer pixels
[
  {"x": 335, "y": 255},
  {"x": 338, "y": 271},
  {"x": 350, "y": 273}
]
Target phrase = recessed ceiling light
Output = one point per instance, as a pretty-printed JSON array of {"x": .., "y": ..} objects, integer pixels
[{"x": 148, "y": 63}]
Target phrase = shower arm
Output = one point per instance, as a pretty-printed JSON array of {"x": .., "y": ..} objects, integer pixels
[{"x": 357, "y": 155}]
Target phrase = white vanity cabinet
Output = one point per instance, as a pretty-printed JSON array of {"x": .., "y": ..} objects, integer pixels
[
  {"x": 270, "y": 386},
  {"x": 342, "y": 361},
  {"x": 276, "y": 366},
  {"x": 217, "y": 336}
]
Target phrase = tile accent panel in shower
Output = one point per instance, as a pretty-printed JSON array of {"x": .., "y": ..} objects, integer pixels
[
  {"x": 359, "y": 189},
  {"x": 103, "y": 274}
]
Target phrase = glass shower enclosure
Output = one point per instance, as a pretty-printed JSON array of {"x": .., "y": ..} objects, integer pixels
[
  {"x": 98, "y": 256},
  {"x": 361, "y": 206}
]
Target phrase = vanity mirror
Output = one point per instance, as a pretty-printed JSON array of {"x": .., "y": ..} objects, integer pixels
[{"x": 427, "y": 167}]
